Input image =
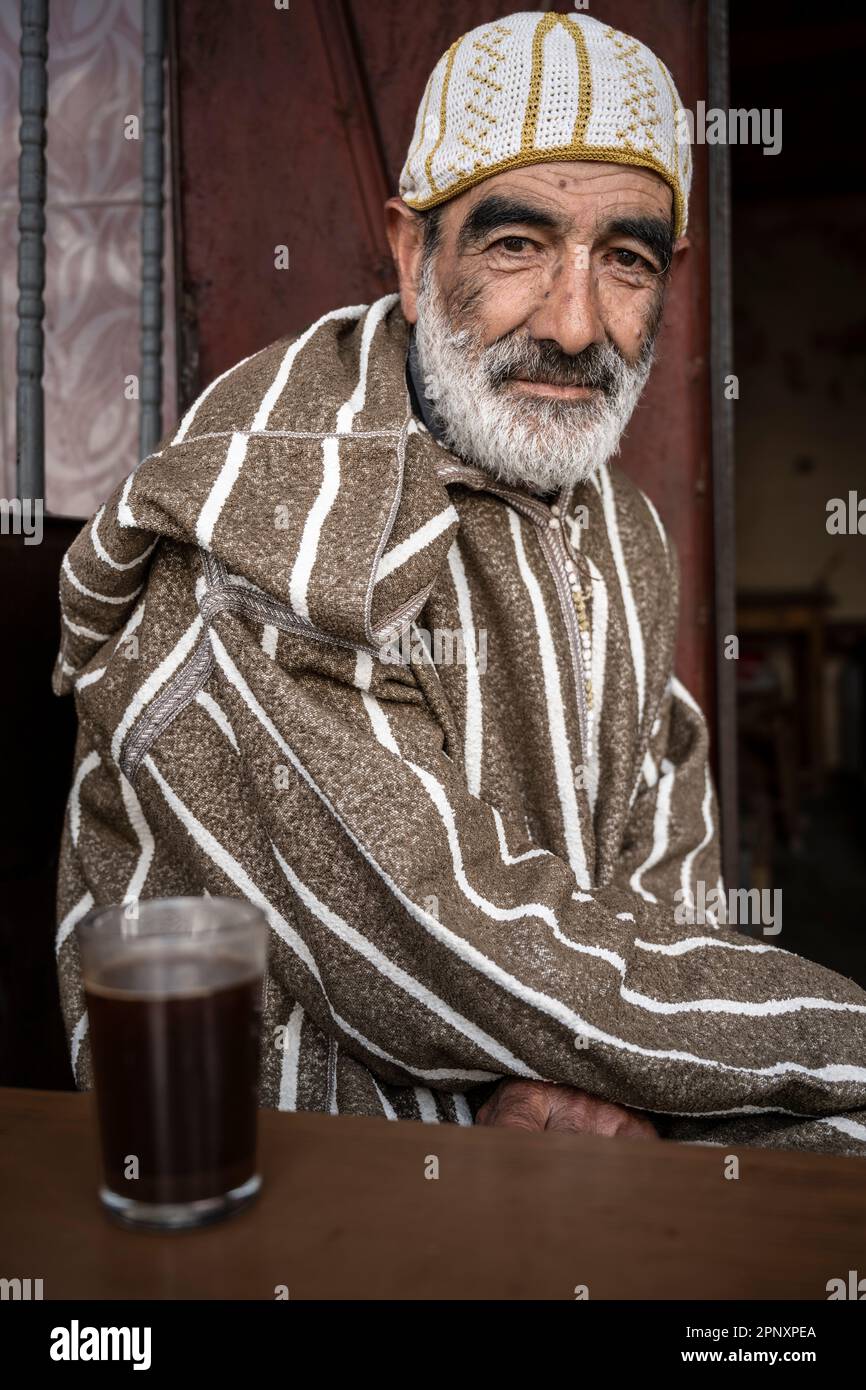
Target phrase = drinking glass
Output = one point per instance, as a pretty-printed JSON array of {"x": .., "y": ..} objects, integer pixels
[{"x": 174, "y": 1001}]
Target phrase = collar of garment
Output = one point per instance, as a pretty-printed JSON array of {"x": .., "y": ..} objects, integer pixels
[{"x": 421, "y": 403}]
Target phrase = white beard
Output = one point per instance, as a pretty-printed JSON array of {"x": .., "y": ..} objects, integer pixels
[{"x": 542, "y": 444}]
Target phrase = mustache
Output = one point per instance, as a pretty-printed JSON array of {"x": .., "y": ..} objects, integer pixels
[{"x": 598, "y": 365}]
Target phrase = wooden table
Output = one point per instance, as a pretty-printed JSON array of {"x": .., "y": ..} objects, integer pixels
[{"x": 347, "y": 1212}]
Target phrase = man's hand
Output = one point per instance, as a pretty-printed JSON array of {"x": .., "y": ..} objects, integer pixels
[{"x": 541, "y": 1105}]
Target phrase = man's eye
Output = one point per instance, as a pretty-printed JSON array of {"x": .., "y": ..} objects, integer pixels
[
  {"x": 630, "y": 260},
  {"x": 513, "y": 245}
]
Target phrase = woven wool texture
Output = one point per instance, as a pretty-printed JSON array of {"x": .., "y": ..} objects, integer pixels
[
  {"x": 540, "y": 86},
  {"x": 459, "y": 884}
]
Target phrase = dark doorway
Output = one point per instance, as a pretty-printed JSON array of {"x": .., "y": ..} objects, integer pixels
[{"x": 799, "y": 226}]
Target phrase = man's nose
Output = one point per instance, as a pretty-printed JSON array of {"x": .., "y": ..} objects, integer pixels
[{"x": 568, "y": 312}]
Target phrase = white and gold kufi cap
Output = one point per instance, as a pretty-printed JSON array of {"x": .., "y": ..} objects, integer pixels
[{"x": 539, "y": 86}]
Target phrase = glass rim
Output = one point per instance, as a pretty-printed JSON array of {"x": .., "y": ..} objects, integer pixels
[{"x": 112, "y": 916}]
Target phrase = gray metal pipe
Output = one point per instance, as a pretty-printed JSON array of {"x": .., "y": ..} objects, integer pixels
[{"x": 29, "y": 401}]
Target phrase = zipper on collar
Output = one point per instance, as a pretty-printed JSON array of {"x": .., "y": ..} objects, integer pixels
[{"x": 553, "y": 545}]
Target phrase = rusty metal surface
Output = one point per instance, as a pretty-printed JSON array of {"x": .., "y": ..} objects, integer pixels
[
  {"x": 284, "y": 119},
  {"x": 668, "y": 446}
]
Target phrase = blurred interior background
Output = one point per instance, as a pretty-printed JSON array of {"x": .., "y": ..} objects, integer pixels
[{"x": 799, "y": 323}]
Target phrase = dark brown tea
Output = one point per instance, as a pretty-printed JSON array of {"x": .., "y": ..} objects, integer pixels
[{"x": 175, "y": 1045}]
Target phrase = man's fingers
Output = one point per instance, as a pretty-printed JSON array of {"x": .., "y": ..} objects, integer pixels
[
  {"x": 533, "y": 1105},
  {"x": 513, "y": 1115},
  {"x": 516, "y": 1105},
  {"x": 518, "y": 1117},
  {"x": 579, "y": 1113},
  {"x": 613, "y": 1125},
  {"x": 577, "y": 1117}
]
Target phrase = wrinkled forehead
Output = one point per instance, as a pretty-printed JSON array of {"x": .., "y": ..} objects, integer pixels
[{"x": 573, "y": 198}]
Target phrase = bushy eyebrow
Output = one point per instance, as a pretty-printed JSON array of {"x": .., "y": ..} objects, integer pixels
[
  {"x": 496, "y": 211},
  {"x": 652, "y": 232}
]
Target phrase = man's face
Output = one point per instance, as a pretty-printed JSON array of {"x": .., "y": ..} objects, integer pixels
[{"x": 536, "y": 314}]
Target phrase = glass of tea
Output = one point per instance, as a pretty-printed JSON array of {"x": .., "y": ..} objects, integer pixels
[{"x": 174, "y": 1000}]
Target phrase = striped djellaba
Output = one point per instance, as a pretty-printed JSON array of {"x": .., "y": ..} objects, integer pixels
[{"x": 472, "y": 868}]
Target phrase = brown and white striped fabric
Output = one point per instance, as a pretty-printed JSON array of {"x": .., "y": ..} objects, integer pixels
[{"x": 467, "y": 873}]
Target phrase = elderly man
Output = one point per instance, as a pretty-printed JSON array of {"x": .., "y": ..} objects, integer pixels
[{"x": 380, "y": 641}]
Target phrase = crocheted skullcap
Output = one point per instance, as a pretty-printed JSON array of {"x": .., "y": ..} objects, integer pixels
[{"x": 539, "y": 86}]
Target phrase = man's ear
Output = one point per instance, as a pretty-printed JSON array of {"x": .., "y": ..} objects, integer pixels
[
  {"x": 678, "y": 255},
  {"x": 405, "y": 232}
]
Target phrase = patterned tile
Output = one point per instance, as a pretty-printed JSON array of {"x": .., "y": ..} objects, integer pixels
[{"x": 92, "y": 246}]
